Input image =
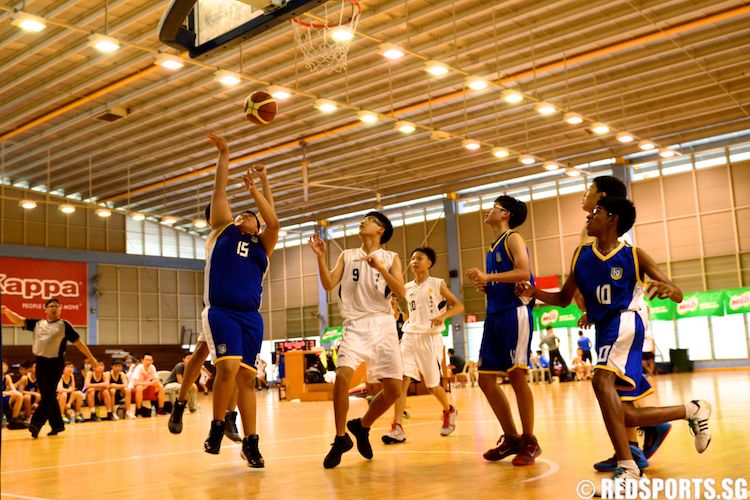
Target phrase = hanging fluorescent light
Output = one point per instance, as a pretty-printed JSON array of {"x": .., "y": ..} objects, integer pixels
[
  {"x": 405, "y": 127},
  {"x": 390, "y": 51},
  {"x": 279, "y": 93},
  {"x": 168, "y": 220},
  {"x": 500, "y": 152},
  {"x": 572, "y": 172},
  {"x": 27, "y": 204},
  {"x": 476, "y": 83},
  {"x": 67, "y": 208},
  {"x": 599, "y": 128},
  {"x": 646, "y": 145},
  {"x": 325, "y": 105},
  {"x": 551, "y": 165},
  {"x": 511, "y": 96},
  {"x": 103, "y": 212},
  {"x": 625, "y": 137},
  {"x": 342, "y": 34},
  {"x": 169, "y": 61},
  {"x": 545, "y": 108},
  {"x": 200, "y": 223},
  {"x": 667, "y": 153},
  {"x": 103, "y": 43},
  {"x": 228, "y": 78},
  {"x": 471, "y": 144},
  {"x": 436, "y": 68},
  {"x": 367, "y": 116},
  {"x": 28, "y": 22},
  {"x": 527, "y": 159},
  {"x": 572, "y": 118},
  {"x": 137, "y": 216}
]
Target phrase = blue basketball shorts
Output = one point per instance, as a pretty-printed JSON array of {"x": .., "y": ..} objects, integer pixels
[
  {"x": 233, "y": 334},
  {"x": 506, "y": 341}
]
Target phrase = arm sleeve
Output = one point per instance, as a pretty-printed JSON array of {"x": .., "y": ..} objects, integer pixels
[
  {"x": 71, "y": 335},
  {"x": 30, "y": 324}
]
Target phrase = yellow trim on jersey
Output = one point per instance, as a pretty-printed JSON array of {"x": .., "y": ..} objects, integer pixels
[
  {"x": 620, "y": 375},
  {"x": 507, "y": 250},
  {"x": 499, "y": 240},
  {"x": 637, "y": 266},
  {"x": 251, "y": 368},
  {"x": 636, "y": 398},
  {"x": 490, "y": 372},
  {"x": 611, "y": 254},
  {"x": 519, "y": 367},
  {"x": 218, "y": 233},
  {"x": 224, "y": 358},
  {"x": 575, "y": 257}
]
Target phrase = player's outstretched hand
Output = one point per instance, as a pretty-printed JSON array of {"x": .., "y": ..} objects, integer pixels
[
  {"x": 248, "y": 179},
  {"x": 317, "y": 244},
  {"x": 3, "y": 309},
  {"x": 659, "y": 289},
  {"x": 219, "y": 142},
  {"x": 583, "y": 322},
  {"x": 525, "y": 289},
  {"x": 261, "y": 170},
  {"x": 477, "y": 276}
]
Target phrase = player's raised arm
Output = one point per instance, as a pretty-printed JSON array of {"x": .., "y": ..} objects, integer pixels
[
  {"x": 270, "y": 234},
  {"x": 660, "y": 285},
  {"x": 561, "y": 298},
  {"x": 221, "y": 213},
  {"x": 262, "y": 172},
  {"x": 329, "y": 279},
  {"x": 14, "y": 318}
]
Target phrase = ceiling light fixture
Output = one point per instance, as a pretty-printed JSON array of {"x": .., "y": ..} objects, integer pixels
[
  {"x": 436, "y": 68},
  {"x": 390, "y": 51},
  {"x": 28, "y": 22},
  {"x": 551, "y": 165},
  {"x": 572, "y": 118},
  {"x": 137, "y": 216},
  {"x": 405, "y": 127},
  {"x": 200, "y": 223},
  {"x": 103, "y": 212},
  {"x": 342, "y": 34},
  {"x": 476, "y": 83},
  {"x": 169, "y": 61},
  {"x": 279, "y": 93},
  {"x": 27, "y": 204},
  {"x": 67, "y": 208},
  {"x": 500, "y": 152},
  {"x": 440, "y": 135},
  {"x": 527, "y": 159},
  {"x": 228, "y": 78},
  {"x": 325, "y": 105},
  {"x": 511, "y": 96},
  {"x": 367, "y": 116},
  {"x": 103, "y": 43},
  {"x": 667, "y": 153},
  {"x": 646, "y": 145},
  {"x": 169, "y": 220},
  {"x": 625, "y": 137},
  {"x": 471, "y": 144},
  {"x": 599, "y": 128},
  {"x": 545, "y": 108},
  {"x": 572, "y": 172}
]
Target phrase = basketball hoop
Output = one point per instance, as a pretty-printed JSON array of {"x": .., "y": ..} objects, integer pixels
[{"x": 325, "y": 45}]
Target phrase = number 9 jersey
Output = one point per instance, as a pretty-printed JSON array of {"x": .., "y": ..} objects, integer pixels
[{"x": 610, "y": 284}]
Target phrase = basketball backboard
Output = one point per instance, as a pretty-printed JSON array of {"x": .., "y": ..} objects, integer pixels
[{"x": 204, "y": 26}]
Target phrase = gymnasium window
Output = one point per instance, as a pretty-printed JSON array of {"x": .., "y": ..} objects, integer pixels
[
  {"x": 730, "y": 339},
  {"x": 664, "y": 338},
  {"x": 473, "y": 333},
  {"x": 692, "y": 334},
  {"x": 151, "y": 238}
]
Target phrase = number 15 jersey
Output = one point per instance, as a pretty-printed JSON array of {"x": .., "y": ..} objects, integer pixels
[
  {"x": 609, "y": 283},
  {"x": 363, "y": 291}
]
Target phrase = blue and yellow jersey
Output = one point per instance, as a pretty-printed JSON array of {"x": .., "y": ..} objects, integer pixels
[
  {"x": 609, "y": 283},
  {"x": 235, "y": 265},
  {"x": 501, "y": 296}
]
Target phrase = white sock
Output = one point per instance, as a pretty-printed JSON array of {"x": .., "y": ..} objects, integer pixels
[
  {"x": 690, "y": 409},
  {"x": 629, "y": 465}
]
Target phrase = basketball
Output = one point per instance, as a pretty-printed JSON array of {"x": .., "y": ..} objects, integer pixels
[{"x": 260, "y": 108}]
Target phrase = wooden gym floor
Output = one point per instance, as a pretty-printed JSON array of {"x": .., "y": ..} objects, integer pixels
[{"x": 140, "y": 458}]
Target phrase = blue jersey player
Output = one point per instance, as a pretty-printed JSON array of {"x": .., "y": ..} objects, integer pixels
[
  {"x": 611, "y": 275},
  {"x": 236, "y": 260},
  {"x": 507, "y": 331}
]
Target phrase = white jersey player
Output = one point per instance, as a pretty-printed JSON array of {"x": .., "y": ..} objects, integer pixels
[
  {"x": 368, "y": 276},
  {"x": 430, "y": 303}
]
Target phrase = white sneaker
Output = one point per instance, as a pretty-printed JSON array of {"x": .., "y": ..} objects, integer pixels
[
  {"x": 397, "y": 435},
  {"x": 114, "y": 416},
  {"x": 698, "y": 423},
  {"x": 129, "y": 415},
  {"x": 621, "y": 474},
  {"x": 449, "y": 421}
]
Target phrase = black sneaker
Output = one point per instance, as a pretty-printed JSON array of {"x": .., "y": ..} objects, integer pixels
[
  {"x": 362, "y": 435},
  {"x": 55, "y": 432},
  {"x": 340, "y": 445},
  {"x": 251, "y": 453},
  {"x": 16, "y": 424},
  {"x": 213, "y": 442},
  {"x": 230, "y": 430},
  {"x": 175, "y": 418},
  {"x": 94, "y": 418},
  {"x": 508, "y": 445},
  {"x": 34, "y": 430}
]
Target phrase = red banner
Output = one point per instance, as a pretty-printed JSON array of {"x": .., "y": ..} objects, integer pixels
[{"x": 26, "y": 284}]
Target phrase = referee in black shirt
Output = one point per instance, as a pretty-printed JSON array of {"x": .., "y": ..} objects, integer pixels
[{"x": 50, "y": 337}]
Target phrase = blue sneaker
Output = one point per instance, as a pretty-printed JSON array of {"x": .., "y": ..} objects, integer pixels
[
  {"x": 610, "y": 464},
  {"x": 653, "y": 437}
]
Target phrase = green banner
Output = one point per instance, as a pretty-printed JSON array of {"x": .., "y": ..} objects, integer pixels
[
  {"x": 737, "y": 301},
  {"x": 556, "y": 317},
  {"x": 331, "y": 334},
  {"x": 662, "y": 309},
  {"x": 701, "y": 304}
]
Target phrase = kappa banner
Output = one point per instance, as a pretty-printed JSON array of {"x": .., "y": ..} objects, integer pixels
[{"x": 26, "y": 284}]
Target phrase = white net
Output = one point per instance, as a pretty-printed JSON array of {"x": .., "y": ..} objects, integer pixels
[{"x": 325, "y": 45}]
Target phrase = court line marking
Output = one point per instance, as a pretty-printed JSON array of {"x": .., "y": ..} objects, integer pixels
[{"x": 26, "y": 497}]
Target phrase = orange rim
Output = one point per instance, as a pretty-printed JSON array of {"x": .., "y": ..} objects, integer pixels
[{"x": 318, "y": 26}]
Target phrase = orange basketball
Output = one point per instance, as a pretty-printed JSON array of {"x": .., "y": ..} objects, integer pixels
[{"x": 260, "y": 108}]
